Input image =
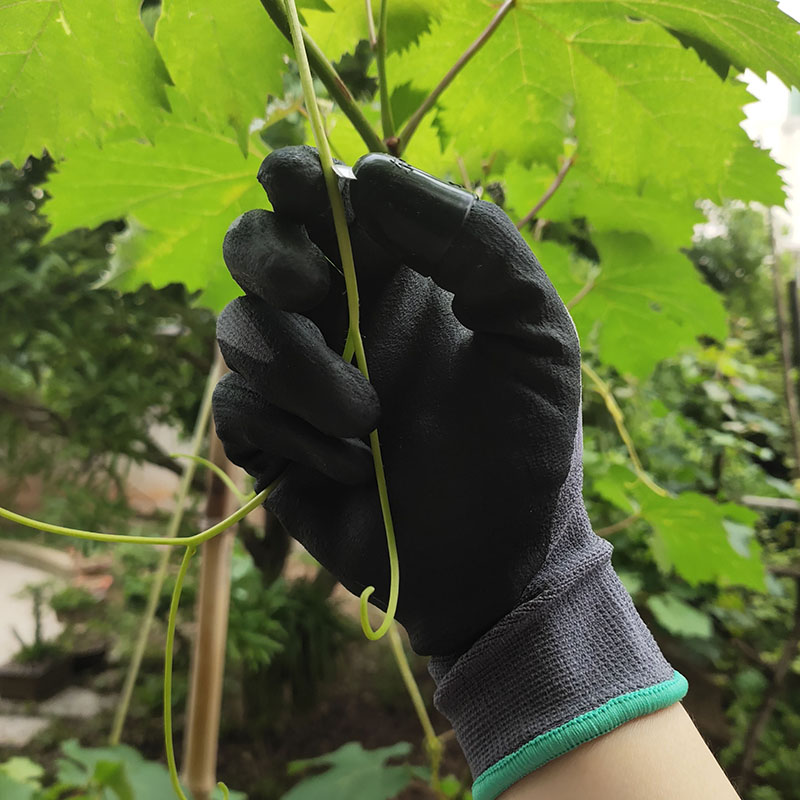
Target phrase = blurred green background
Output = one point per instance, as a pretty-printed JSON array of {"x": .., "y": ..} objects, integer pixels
[{"x": 131, "y": 137}]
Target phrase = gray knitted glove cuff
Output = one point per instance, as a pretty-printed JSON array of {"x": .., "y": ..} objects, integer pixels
[{"x": 573, "y": 661}]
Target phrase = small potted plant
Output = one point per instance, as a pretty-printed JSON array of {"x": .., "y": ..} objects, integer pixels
[
  {"x": 39, "y": 669},
  {"x": 73, "y": 604},
  {"x": 84, "y": 637}
]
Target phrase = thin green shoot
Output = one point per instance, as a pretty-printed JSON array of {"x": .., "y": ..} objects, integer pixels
[
  {"x": 218, "y": 471},
  {"x": 254, "y": 501},
  {"x": 171, "y": 622}
]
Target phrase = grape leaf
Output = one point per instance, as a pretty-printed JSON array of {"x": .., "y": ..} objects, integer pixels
[
  {"x": 645, "y": 304},
  {"x": 755, "y": 34},
  {"x": 50, "y": 48},
  {"x": 679, "y": 618},
  {"x": 634, "y": 98},
  {"x": 690, "y": 536},
  {"x": 690, "y": 531},
  {"x": 353, "y": 772},
  {"x": 338, "y": 28},
  {"x": 606, "y": 206},
  {"x": 180, "y": 193},
  {"x": 239, "y": 63}
]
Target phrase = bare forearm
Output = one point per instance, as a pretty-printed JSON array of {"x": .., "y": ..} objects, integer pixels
[{"x": 658, "y": 757}]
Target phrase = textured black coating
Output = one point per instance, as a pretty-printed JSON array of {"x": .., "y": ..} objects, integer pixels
[
  {"x": 272, "y": 257},
  {"x": 477, "y": 369}
]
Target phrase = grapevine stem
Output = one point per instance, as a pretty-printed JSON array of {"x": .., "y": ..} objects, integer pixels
[
  {"x": 463, "y": 60},
  {"x": 373, "y": 40},
  {"x": 551, "y": 190},
  {"x": 387, "y": 122},
  {"x": 217, "y": 470},
  {"x": 351, "y": 284},
  {"x": 331, "y": 79},
  {"x": 433, "y": 743}
]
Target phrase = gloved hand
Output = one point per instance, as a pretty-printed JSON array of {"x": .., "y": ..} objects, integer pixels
[
  {"x": 475, "y": 389},
  {"x": 476, "y": 397}
]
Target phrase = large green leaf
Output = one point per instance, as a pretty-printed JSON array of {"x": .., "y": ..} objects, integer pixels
[
  {"x": 338, "y": 25},
  {"x": 606, "y": 206},
  {"x": 354, "y": 772},
  {"x": 752, "y": 34},
  {"x": 691, "y": 532},
  {"x": 179, "y": 193},
  {"x": 679, "y": 618},
  {"x": 639, "y": 104},
  {"x": 121, "y": 768},
  {"x": 71, "y": 69},
  {"x": 646, "y": 302},
  {"x": 225, "y": 56},
  {"x": 690, "y": 535}
]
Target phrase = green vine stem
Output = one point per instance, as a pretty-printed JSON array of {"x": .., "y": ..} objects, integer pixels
[
  {"x": 370, "y": 25},
  {"x": 220, "y": 473},
  {"x": 351, "y": 285},
  {"x": 170, "y": 645},
  {"x": 168, "y": 651},
  {"x": 604, "y": 390},
  {"x": 433, "y": 744},
  {"x": 330, "y": 78},
  {"x": 177, "y": 541},
  {"x": 198, "y": 435},
  {"x": 428, "y": 103},
  {"x": 387, "y": 122}
]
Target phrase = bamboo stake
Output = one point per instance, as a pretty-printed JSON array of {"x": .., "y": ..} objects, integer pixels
[
  {"x": 208, "y": 655},
  {"x": 198, "y": 437}
]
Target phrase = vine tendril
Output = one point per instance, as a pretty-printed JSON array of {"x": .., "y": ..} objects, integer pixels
[
  {"x": 177, "y": 541},
  {"x": 354, "y": 336},
  {"x": 171, "y": 621},
  {"x": 218, "y": 471}
]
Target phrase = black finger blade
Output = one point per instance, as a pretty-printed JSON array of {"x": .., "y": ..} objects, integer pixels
[{"x": 274, "y": 259}]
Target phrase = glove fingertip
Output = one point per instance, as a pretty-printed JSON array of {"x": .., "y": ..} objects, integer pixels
[
  {"x": 274, "y": 259},
  {"x": 293, "y": 180}
]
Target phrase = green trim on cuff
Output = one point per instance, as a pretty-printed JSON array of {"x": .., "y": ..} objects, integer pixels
[{"x": 617, "y": 711}]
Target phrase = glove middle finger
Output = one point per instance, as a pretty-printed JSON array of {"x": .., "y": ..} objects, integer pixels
[{"x": 285, "y": 359}]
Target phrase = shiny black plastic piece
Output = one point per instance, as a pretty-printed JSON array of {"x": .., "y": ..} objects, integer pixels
[{"x": 408, "y": 208}]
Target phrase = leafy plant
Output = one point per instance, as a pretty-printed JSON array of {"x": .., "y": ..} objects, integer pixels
[
  {"x": 355, "y": 772},
  {"x": 92, "y": 773},
  {"x": 624, "y": 114},
  {"x": 39, "y": 649},
  {"x": 72, "y": 598}
]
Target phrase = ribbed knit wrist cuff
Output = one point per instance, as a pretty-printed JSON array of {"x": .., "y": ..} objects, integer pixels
[{"x": 567, "y": 665}]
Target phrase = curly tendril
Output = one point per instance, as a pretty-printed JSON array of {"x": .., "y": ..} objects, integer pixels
[{"x": 354, "y": 336}]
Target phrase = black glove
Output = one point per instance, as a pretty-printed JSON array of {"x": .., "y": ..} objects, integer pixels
[{"x": 476, "y": 394}]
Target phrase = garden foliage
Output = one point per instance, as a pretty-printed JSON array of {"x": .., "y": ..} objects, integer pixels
[{"x": 161, "y": 120}]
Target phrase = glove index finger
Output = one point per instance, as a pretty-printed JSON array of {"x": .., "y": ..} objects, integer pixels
[{"x": 293, "y": 180}]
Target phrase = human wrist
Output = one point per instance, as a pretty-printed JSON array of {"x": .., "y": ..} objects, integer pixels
[{"x": 571, "y": 662}]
